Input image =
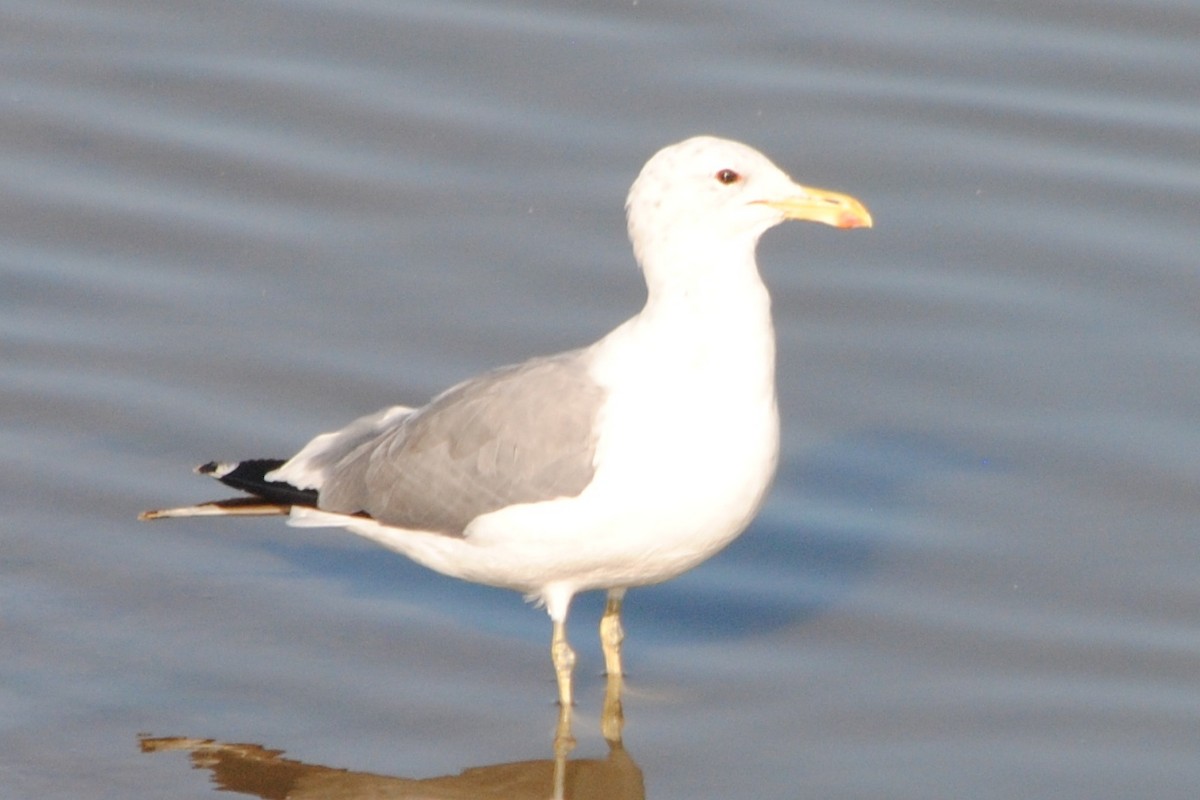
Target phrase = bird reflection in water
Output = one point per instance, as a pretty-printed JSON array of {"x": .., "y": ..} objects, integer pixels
[{"x": 257, "y": 771}]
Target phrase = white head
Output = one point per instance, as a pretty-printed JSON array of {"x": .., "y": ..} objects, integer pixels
[{"x": 715, "y": 196}]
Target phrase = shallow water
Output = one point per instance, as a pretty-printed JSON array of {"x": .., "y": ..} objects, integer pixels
[{"x": 226, "y": 226}]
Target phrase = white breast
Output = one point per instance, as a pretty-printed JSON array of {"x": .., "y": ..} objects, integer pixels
[{"x": 688, "y": 444}]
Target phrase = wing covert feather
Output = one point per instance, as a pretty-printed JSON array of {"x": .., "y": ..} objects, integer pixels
[{"x": 519, "y": 434}]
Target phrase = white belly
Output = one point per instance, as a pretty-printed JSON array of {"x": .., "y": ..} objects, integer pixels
[
  {"x": 688, "y": 443},
  {"x": 685, "y": 460}
]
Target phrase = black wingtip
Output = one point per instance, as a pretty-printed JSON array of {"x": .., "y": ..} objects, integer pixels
[{"x": 251, "y": 476}]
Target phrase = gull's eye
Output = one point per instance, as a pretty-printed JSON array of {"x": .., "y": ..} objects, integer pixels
[{"x": 728, "y": 176}]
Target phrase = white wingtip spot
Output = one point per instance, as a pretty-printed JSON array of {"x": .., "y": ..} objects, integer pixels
[{"x": 217, "y": 469}]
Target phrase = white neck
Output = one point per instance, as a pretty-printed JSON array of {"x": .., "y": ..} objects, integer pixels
[{"x": 708, "y": 324}]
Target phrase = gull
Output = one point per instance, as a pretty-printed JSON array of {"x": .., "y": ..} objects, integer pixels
[{"x": 621, "y": 464}]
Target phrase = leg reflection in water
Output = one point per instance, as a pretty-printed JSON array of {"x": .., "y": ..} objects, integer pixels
[
  {"x": 257, "y": 771},
  {"x": 612, "y": 722}
]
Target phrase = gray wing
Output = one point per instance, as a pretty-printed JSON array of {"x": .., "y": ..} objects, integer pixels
[
  {"x": 519, "y": 434},
  {"x": 310, "y": 468}
]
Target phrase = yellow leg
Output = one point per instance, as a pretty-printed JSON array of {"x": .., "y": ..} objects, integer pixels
[
  {"x": 564, "y": 741},
  {"x": 611, "y": 632},
  {"x": 564, "y": 662},
  {"x": 612, "y": 720}
]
